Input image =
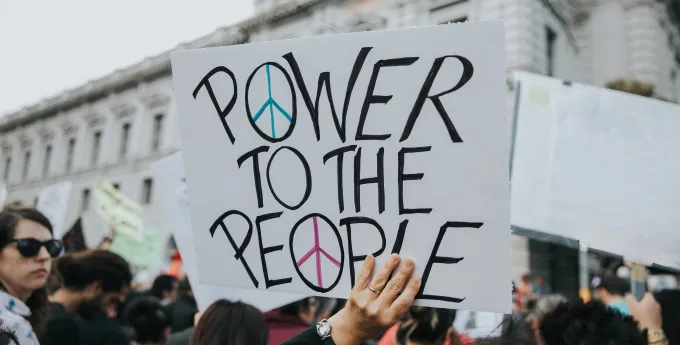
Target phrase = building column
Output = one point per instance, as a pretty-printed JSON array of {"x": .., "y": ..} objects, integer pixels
[{"x": 642, "y": 40}]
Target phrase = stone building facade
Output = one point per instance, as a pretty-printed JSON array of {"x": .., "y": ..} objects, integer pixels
[{"x": 116, "y": 126}]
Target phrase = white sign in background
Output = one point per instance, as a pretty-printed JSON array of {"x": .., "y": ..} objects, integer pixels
[
  {"x": 53, "y": 203},
  {"x": 169, "y": 175},
  {"x": 417, "y": 119},
  {"x": 598, "y": 166}
]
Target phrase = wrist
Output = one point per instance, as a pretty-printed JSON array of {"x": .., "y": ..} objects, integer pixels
[{"x": 342, "y": 331}]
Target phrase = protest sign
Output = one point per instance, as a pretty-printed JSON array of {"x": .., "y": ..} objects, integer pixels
[
  {"x": 144, "y": 253},
  {"x": 304, "y": 156},
  {"x": 593, "y": 165},
  {"x": 53, "y": 203},
  {"x": 169, "y": 176},
  {"x": 118, "y": 210}
]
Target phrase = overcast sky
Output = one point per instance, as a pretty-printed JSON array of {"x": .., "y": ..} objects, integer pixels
[{"x": 52, "y": 45}]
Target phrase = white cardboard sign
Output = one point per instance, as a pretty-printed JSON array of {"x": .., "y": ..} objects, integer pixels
[
  {"x": 53, "y": 203},
  {"x": 304, "y": 156},
  {"x": 169, "y": 175}
]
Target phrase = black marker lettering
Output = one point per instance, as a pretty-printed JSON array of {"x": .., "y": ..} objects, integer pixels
[
  {"x": 264, "y": 251},
  {"x": 379, "y": 179},
  {"x": 468, "y": 70},
  {"x": 308, "y": 178},
  {"x": 340, "y": 152},
  {"x": 256, "y": 170},
  {"x": 352, "y": 259},
  {"x": 434, "y": 259},
  {"x": 325, "y": 80},
  {"x": 372, "y": 98},
  {"x": 238, "y": 249},
  {"x": 222, "y": 113},
  {"x": 401, "y": 177},
  {"x": 399, "y": 241}
]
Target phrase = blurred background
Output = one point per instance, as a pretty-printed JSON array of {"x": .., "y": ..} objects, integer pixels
[{"x": 86, "y": 90}]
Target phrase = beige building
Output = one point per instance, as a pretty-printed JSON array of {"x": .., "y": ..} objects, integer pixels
[{"x": 116, "y": 126}]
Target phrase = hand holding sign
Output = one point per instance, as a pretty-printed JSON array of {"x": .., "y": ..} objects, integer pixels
[{"x": 375, "y": 304}]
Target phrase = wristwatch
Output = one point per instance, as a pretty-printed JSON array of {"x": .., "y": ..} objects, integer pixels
[
  {"x": 323, "y": 329},
  {"x": 656, "y": 336}
]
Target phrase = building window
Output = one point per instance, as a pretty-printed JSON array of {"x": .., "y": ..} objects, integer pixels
[
  {"x": 124, "y": 138},
  {"x": 157, "y": 131},
  {"x": 69, "y": 154},
  {"x": 116, "y": 185},
  {"x": 48, "y": 160},
  {"x": 147, "y": 190},
  {"x": 96, "y": 146},
  {"x": 85, "y": 200},
  {"x": 551, "y": 40},
  {"x": 8, "y": 165},
  {"x": 27, "y": 164}
]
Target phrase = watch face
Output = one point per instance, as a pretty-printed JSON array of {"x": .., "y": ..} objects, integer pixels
[{"x": 323, "y": 329}]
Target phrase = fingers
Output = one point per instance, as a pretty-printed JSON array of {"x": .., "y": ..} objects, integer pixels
[
  {"x": 365, "y": 273},
  {"x": 405, "y": 300},
  {"x": 379, "y": 282},
  {"x": 398, "y": 281}
]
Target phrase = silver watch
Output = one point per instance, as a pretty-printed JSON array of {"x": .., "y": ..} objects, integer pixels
[{"x": 323, "y": 329}]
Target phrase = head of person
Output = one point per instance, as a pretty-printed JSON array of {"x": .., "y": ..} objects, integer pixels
[
  {"x": 526, "y": 279},
  {"x": 96, "y": 278},
  {"x": 578, "y": 323},
  {"x": 304, "y": 309},
  {"x": 669, "y": 300},
  {"x": 164, "y": 288},
  {"x": 233, "y": 323},
  {"x": 539, "y": 280},
  {"x": 427, "y": 326},
  {"x": 149, "y": 319},
  {"x": 184, "y": 287},
  {"x": 325, "y": 308},
  {"x": 609, "y": 288},
  {"x": 26, "y": 252}
]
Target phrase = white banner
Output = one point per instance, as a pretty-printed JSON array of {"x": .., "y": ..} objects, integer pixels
[{"x": 53, "y": 203}]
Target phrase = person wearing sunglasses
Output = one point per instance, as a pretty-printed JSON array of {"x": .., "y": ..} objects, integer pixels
[{"x": 27, "y": 249}]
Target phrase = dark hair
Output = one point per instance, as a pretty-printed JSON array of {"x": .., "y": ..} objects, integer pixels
[
  {"x": 80, "y": 269},
  {"x": 670, "y": 314},
  {"x": 426, "y": 326},
  {"x": 292, "y": 309},
  {"x": 593, "y": 323},
  {"x": 161, "y": 284},
  {"x": 9, "y": 219},
  {"x": 184, "y": 286},
  {"x": 612, "y": 284},
  {"x": 148, "y": 318},
  {"x": 231, "y": 323}
]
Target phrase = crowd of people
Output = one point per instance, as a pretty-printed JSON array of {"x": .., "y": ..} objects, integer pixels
[{"x": 87, "y": 298}]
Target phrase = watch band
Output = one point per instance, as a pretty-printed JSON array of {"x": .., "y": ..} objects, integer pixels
[{"x": 656, "y": 336}]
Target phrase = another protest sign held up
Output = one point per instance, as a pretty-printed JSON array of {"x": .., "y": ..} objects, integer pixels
[
  {"x": 141, "y": 254},
  {"x": 53, "y": 203},
  {"x": 119, "y": 211},
  {"x": 172, "y": 189},
  {"x": 305, "y": 156}
]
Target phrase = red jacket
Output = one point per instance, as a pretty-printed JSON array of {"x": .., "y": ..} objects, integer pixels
[{"x": 282, "y": 327}]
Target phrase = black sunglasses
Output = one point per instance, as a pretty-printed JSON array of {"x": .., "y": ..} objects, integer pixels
[{"x": 30, "y": 247}]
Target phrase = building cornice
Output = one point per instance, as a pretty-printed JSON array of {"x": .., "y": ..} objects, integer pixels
[{"x": 151, "y": 68}]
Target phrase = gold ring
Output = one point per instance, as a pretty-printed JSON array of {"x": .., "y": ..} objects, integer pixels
[{"x": 374, "y": 290}]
